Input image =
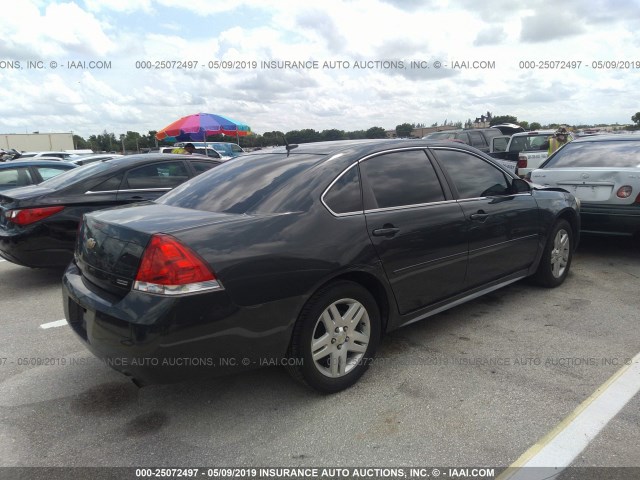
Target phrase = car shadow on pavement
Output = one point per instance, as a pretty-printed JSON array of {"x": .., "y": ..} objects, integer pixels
[
  {"x": 608, "y": 244},
  {"x": 17, "y": 278}
]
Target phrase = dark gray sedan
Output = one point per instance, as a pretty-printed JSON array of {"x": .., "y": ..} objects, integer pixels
[{"x": 305, "y": 256}]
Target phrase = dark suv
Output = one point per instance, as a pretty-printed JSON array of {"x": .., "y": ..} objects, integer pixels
[{"x": 479, "y": 138}]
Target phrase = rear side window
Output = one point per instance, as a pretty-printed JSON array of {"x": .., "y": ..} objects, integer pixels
[
  {"x": 472, "y": 176},
  {"x": 463, "y": 137},
  {"x": 156, "y": 175},
  {"x": 49, "y": 172},
  {"x": 210, "y": 152},
  {"x": 344, "y": 195},
  {"x": 200, "y": 167},
  {"x": 110, "y": 185},
  {"x": 529, "y": 142},
  {"x": 15, "y": 177},
  {"x": 401, "y": 179},
  {"x": 597, "y": 154},
  {"x": 477, "y": 140}
]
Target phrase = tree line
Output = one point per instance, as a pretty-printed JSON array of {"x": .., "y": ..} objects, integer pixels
[{"x": 136, "y": 142}]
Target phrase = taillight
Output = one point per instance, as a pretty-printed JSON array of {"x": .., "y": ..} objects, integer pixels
[
  {"x": 28, "y": 216},
  {"x": 171, "y": 268},
  {"x": 522, "y": 162},
  {"x": 624, "y": 192}
]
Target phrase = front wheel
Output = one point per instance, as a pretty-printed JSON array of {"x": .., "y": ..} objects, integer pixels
[
  {"x": 556, "y": 258},
  {"x": 335, "y": 337}
]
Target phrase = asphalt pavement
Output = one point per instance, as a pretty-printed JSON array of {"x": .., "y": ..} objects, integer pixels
[{"x": 475, "y": 386}]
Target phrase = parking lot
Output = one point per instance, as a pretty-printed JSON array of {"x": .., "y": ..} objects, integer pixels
[{"x": 477, "y": 385}]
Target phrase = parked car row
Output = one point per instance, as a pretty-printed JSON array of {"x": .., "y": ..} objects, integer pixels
[
  {"x": 603, "y": 171},
  {"x": 528, "y": 149},
  {"x": 306, "y": 252},
  {"x": 39, "y": 223},
  {"x": 221, "y": 150},
  {"x": 480, "y": 138}
]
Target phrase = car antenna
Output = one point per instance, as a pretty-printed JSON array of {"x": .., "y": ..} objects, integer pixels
[{"x": 288, "y": 146}]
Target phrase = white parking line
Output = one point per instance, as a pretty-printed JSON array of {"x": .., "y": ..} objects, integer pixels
[
  {"x": 57, "y": 323},
  {"x": 563, "y": 444}
]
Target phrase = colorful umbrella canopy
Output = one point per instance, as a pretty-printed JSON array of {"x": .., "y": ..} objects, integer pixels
[{"x": 197, "y": 126}]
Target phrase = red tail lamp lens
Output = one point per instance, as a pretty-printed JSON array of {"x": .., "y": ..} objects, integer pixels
[
  {"x": 28, "y": 216},
  {"x": 522, "y": 162},
  {"x": 168, "y": 267}
]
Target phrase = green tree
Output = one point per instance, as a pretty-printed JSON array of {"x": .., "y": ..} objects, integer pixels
[
  {"x": 524, "y": 124},
  {"x": 272, "y": 139},
  {"x": 376, "y": 132},
  {"x": 404, "y": 130},
  {"x": 636, "y": 119},
  {"x": 132, "y": 141},
  {"x": 80, "y": 143},
  {"x": 356, "y": 135},
  {"x": 535, "y": 126},
  {"x": 503, "y": 119},
  {"x": 307, "y": 135},
  {"x": 333, "y": 134}
]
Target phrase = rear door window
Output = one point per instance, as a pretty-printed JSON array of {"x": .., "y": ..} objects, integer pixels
[
  {"x": 200, "y": 167},
  {"x": 472, "y": 176},
  {"x": 156, "y": 176},
  {"x": 399, "y": 179}
]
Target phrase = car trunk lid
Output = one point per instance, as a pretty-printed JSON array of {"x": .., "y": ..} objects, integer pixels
[
  {"x": 111, "y": 242},
  {"x": 593, "y": 184}
]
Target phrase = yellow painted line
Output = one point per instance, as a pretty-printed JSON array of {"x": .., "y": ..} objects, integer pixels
[{"x": 565, "y": 442}]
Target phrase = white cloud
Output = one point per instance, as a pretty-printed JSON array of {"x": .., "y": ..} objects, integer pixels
[{"x": 128, "y": 98}]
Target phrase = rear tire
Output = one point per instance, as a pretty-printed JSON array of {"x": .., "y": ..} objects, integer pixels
[
  {"x": 556, "y": 258},
  {"x": 335, "y": 337}
]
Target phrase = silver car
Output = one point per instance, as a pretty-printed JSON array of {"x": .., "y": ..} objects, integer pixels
[{"x": 602, "y": 171}]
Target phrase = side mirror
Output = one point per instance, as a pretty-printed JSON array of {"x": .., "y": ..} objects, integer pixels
[{"x": 520, "y": 186}]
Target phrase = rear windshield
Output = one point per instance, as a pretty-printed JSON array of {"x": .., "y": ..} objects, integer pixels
[
  {"x": 597, "y": 154},
  {"x": 76, "y": 175},
  {"x": 530, "y": 142},
  {"x": 239, "y": 185},
  {"x": 440, "y": 136}
]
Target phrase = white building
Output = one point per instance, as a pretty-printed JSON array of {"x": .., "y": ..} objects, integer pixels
[{"x": 36, "y": 142}]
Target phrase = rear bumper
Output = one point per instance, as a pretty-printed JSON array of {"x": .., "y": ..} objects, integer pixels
[
  {"x": 155, "y": 339},
  {"x": 35, "y": 247},
  {"x": 616, "y": 220}
]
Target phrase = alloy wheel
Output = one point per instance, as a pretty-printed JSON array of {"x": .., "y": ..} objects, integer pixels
[
  {"x": 340, "y": 337},
  {"x": 560, "y": 253}
]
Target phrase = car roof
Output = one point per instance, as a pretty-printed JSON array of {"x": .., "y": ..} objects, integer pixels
[
  {"x": 151, "y": 157},
  {"x": 46, "y": 152},
  {"x": 608, "y": 138},
  {"x": 363, "y": 146},
  {"x": 36, "y": 163},
  {"x": 535, "y": 132}
]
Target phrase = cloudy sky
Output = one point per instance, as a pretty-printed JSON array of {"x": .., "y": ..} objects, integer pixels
[{"x": 45, "y": 44}]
